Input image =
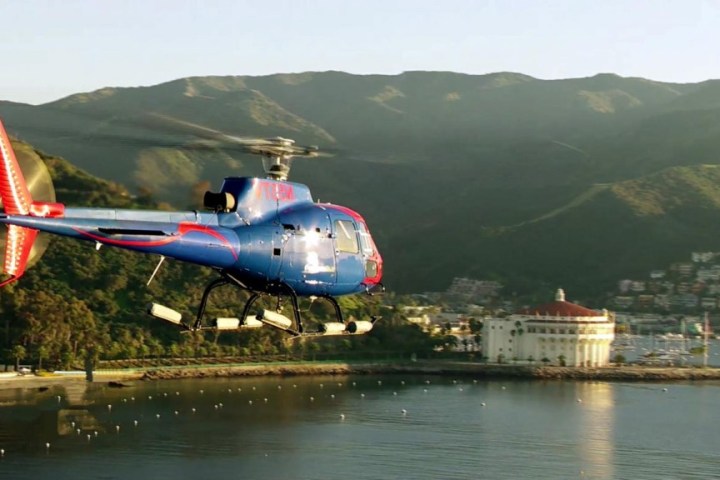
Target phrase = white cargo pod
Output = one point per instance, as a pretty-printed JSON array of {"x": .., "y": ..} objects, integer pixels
[
  {"x": 251, "y": 322},
  {"x": 362, "y": 326},
  {"x": 226, "y": 323},
  {"x": 274, "y": 319},
  {"x": 332, "y": 328},
  {"x": 165, "y": 313}
]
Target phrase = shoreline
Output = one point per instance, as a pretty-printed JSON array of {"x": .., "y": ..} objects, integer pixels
[{"x": 441, "y": 368}]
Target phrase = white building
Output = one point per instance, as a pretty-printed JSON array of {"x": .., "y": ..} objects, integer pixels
[{"x": 561, "y": 332}]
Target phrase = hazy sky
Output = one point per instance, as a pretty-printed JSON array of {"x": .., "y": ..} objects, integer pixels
[{"x": 52, "y": 48}]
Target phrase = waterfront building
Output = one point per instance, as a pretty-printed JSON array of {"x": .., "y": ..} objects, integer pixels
[{"x": 560, "y": 332}]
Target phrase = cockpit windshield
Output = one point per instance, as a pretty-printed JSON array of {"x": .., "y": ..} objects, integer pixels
[{"x": 366, "y": 243}]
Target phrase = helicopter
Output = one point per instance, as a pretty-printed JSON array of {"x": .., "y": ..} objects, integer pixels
[{"x": 265, "y": 236}]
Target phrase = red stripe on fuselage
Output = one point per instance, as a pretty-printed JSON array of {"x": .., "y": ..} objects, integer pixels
[{"x": 183, "y": 229}]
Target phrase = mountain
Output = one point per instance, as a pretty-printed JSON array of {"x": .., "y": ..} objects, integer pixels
[{"x": 502, "y": 175}]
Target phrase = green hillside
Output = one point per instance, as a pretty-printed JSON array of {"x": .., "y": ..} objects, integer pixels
[{"x": 500, "y": 175}]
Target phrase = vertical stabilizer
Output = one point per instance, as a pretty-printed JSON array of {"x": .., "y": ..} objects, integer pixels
[{"x": 16, "y": 200}]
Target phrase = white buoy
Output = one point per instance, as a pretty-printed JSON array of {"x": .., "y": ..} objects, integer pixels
[
  {"x": 229, "y": 390},
  {"x": 354, "y": 384},
  {"x": 157, "y": 415},
  {"x": 132, "y": 399},
  {"x": 193, "y": 409},
  {"x": 202, "y": 391},
  {"x": 253, "y": 388},
  {"x": 117, "y": 428},
  {"x": 404, "y": 412},
  {"x": 177, "y": 394},
  {"x": 221, "y": 405},
  {"x": 135, "y": 422},
  {"x": 216, "y": 407},
  {"x": 454, "y": 382},
  {"x": 424, "y": 390},
  {"x": 2, "y": 452},
  {"x": 339, "y": 384},
  {"x": 95, "y": 433},
  {"x": 362, "y": 395},
  {"x": 460, "y": 389},
  {"x": 47, "y": 445},
  {"x": 427, "y": 382},
  {"x": 265, "y": 400},
  {"x": 279, "y": 387},
  {"x": 72, "y": 424},
  {"x": 294, "y": 386},
  {"x": 78, "y": 431},
  {"x": 332, "y": 395},
  {"x": 394, "y": 394},
  {"x": 402, "y": 382},
  {"x": 342, "y": 416},
  {"x": 59, "y": 398},
  {"x": 165, "y": 394},
  {"x": 89, "y": 437},
  {"x": 379, "y": 382},
  {"x": 239, "y": 389},
  {"x": 312, "y": 399},
  {"x": 664, "y": 389},
  {"x": 177, "y": 413},
  {"x": 124, "y": 400},
  {"x": 474, "y": 381},
  {"x": 503, "y": 387},
  {"x": 109, "y": 408},
  {"x": 322, "y": 386},
  {"x": 579, "y": 400},
  {"x": 482, "y": 404},
  {"x": 249, "y": 402},
  {"x": 149, "y": 397}
]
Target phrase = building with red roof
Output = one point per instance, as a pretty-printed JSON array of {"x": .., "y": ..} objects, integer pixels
[{"x": 559, "y": 332}]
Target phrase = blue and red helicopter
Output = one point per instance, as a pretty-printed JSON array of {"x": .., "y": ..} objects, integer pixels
[{"x": 263, "y": 235}]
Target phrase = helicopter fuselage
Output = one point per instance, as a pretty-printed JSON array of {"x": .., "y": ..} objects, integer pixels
[{"x": 272, "y": 234}]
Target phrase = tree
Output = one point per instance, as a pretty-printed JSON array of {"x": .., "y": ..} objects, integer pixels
[
  {"x": 545, "y": 360},
  {"x": 18, "y": 353},
  {"x": 561, "y": 360},
  {"x": 619, "y": 359}
]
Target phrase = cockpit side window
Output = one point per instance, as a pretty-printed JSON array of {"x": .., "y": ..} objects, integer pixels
[
  {"x": 365, "y": 240},
  {"x": 346, "y": 239}
]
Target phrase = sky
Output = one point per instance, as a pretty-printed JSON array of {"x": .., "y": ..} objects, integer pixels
[{"x": 54, "y": 48}]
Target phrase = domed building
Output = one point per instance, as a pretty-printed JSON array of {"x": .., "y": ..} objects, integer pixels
[{"x": 560, "y": 332}]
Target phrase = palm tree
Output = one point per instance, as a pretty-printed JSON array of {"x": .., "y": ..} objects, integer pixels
[
  {"x": 19, "y": 353},
  {"x": 561, "y": 360}
]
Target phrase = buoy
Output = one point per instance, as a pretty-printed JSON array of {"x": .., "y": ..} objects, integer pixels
[
  {"x": 342, "y": 416},
  {"x": 165, "y": 394},
  {"x": 221, "y": 405},
  {"x": 460, "y": 389},
  {"x": 135, "y": 423},
  {"x": 279, "y": 387},
  {"x": 88, "y": 437},
  {"x": 109, "y": 408},
  {"x": 72, "y": 424},
  {"x": 47, "y": 445},
  {"x": 379, "y": 382},
  {"x": 202, "y": 391},
  {"x": 664, "y": 389},
  {"x": 78, "y": 431},
  {"x": 95, "y": 433},
  {"x": 59, "y": 398},
  {"x": 424, "y": 390},
  {"x": 340, "y": 384},
  {"x": 427, "y": 382},
  {"x": 394, "y": 394},
  {"x": 404, "y": 412},
  {"x": 312, "y": 399},
  {"x": 216, "y": 407},
  {"x": 117, "y": 428},
  {"x": 579, "y": 400},
  {"x": 482, "y": 404},
  {"x": 503, "y": 387},
  {"x": 362, "y": 395},
  {"x": 132, "y": 399},
  {"x": 176, "y": 412},
  {"x": 249, "y": 402},
  {"x": 177, "y": 393},
  {"x": 322, "y": 386},
  {"x": 157, "y": 415},
  {"x": 402, "y": 382},
  {"x": 265, "y": 400},
  {"x": 193, "y": 409},
  {"x": 2, "y": 452},
  {"x": 149, "y": 397}
]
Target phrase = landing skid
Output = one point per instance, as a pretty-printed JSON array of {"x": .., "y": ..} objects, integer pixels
[{"x": 273, "y": 318}]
